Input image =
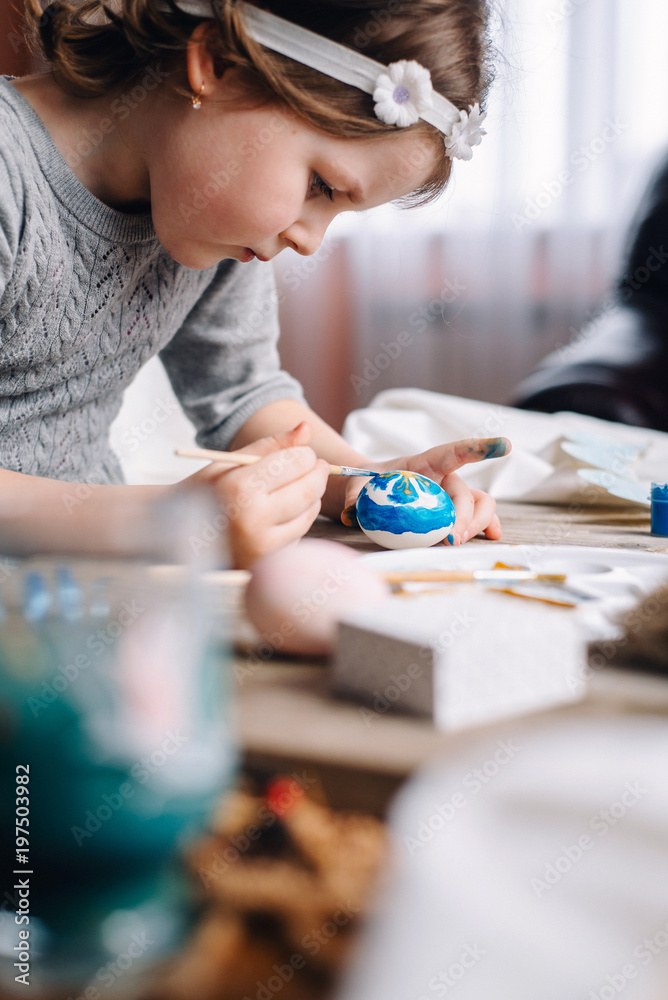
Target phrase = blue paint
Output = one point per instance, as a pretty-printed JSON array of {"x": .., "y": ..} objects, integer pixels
[
  {"x": 496, "y": 448},
  {"x": 36, "y": 597},
  {"x": 451, "y": 539},
  {"x": 406, "y": 513},
  {"x": 70, "y": 595},
  {"x": 659, "y": 509}
]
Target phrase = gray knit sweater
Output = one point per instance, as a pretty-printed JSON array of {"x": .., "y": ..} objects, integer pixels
[{"x": 88, "y": 295}]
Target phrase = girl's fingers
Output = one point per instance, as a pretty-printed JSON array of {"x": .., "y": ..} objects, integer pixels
[
  {"x": 484, "y": 517},
  {"x": 274, "y": 471},
  {"x": 248, "y": 544},
  {"x": 475, "y": 511},
  {"x": 462, "y": 498},
  {"x": 285, "y": 504},
  {"x": 493, "y": 530},
  {"x": 291, "y": 531},
  {"x": 447, "y": 458},
  {"x": 296, "y": 437},
  {"x": 479, "y": 449},
  {"x": 353, "y": 487}
]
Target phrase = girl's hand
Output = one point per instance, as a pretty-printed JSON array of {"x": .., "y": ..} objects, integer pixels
[
  {"x": 270, "y": 504},
  {"x": 475, "y": 510}
]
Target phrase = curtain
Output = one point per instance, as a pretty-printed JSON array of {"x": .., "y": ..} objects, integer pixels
[{"x": 466, "y": 295}]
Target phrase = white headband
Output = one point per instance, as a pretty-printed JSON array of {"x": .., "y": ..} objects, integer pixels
[{"x": 402, "y": 92}]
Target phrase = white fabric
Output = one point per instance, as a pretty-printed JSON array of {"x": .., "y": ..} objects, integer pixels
[
  {"x": 406, "y": 421},
  {"x": 539, "y": 876}
]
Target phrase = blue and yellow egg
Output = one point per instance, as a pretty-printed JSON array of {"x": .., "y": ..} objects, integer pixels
[{"x": 403, "y": 510}]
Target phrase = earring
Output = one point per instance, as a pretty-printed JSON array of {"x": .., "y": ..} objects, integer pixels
[{"x": 196, "y": 99}]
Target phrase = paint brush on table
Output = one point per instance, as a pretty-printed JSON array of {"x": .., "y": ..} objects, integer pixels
[
  {"x": 232, "y": 458},
  {"x": 470, "y": 576},
  {"x": 553, "y": 587}
]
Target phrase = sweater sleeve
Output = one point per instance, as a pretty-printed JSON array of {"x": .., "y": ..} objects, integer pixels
[
  {"x": 223, "y": 363},
  {"x": 11, "y": 220}
]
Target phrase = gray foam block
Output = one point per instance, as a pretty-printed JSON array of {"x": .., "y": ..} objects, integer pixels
[{"x": 460, "y": 659}]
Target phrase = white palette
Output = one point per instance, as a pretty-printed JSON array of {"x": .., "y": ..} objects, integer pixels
[
  {"x": 613, "y": 579},
  {"x": 462, "y": 655}
]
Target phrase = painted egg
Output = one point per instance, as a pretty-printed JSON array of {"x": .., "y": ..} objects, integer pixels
[
  {"x": 402, "y": 510},
  {"x": 296, "y": 595}
]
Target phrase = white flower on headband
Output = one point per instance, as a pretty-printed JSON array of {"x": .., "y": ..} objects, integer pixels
[
  {"x": 466, "y": 133},
  {"x": 402, "y": 93}
]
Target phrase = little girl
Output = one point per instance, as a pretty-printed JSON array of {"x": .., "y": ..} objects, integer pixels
[{"x": 174, "y": 147}]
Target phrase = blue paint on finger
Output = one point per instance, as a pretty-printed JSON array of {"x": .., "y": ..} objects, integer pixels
[{"x": 495, "y": 448}]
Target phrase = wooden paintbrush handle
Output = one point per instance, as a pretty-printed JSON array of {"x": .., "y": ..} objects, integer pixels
[
  {"x": 235, "y": 458},
  {"x": 228, "y": 457},
  {"x": 429, "y": 576}
]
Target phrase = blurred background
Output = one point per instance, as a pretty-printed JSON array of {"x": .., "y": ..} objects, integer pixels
[
  {"x": 509, "y": 264},
  {"x": 518, "y": 254}
]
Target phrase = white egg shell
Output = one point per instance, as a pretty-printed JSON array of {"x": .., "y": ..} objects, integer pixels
[
  {"x": 403, "y": 510},
  {"x": 296, "y": 595}
]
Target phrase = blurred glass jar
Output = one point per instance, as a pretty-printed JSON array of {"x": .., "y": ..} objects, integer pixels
[{"x": 115, "y": 744}]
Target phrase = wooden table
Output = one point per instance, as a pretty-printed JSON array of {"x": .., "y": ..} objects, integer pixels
[{"x": 288, "y": 721}]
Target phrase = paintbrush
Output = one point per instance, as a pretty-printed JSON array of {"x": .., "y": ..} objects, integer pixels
[
  {"x": 235, "y": 458},
  {"x": 470, "y": 576}
]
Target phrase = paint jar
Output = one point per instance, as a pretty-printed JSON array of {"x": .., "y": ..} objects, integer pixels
[
  {"x": 659, "y": 509},
  {"x": 114, "y": 749}
]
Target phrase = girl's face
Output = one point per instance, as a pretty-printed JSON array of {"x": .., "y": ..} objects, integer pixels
[{"x": 248, "y": 183}]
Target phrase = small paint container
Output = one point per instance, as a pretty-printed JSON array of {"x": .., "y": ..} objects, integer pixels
[{"x": 659, "y": 509}]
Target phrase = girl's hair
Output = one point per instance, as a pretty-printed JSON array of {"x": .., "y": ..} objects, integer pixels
[{"x": 95, "y": 47}]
